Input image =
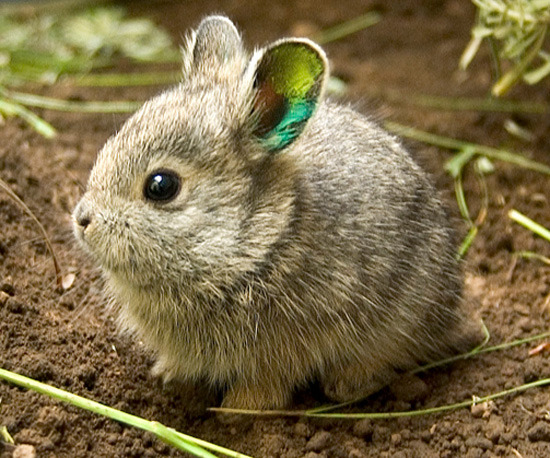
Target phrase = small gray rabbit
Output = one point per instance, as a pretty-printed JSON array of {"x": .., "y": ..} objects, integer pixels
[{"x": 258, "y": 236}]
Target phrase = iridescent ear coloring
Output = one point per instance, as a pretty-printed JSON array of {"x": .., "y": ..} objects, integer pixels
[{"x": 289, "y": 82}]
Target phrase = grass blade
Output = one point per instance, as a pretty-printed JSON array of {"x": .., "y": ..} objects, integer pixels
[
  {"x": 415, "y": 413},
  {"x": 10, "y": 108},
  {"x": 467, "y": 242},
  {"x": 461, "y": 200},
  {"x": 511, "y": 77},
  {"x": 536, "y": 75},
  {"x": 528, "y": 223},
  {"x": 4, "y": 186},
  {"x": 184, "y": 442},
  {"x": 5, "y": 435},
  {"x": 346, "y": 28},
  {"x": 389, "y": 415},
  {"x": 319, "y": 411},
  {"x": 532, "y": 255},
  {"x": 456, "y": 164},
  {"x": 454, "y": 144},
  {"x": 49, "y": 103},
  {"x": 467, "y": 103},
  {"x": 125, "y": 79}
]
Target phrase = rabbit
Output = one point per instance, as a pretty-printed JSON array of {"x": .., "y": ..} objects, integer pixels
[{"x": 258, "y": 236}]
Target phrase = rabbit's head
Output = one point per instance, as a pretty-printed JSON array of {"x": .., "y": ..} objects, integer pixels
[{"x": 199, "y": 184}]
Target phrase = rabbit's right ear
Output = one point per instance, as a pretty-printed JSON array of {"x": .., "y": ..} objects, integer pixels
[
  {"x": 212, "y": 48},
  {"x": 289, "y": 78}
]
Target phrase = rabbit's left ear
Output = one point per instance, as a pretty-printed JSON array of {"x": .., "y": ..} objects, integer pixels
[
  {"x": 212, "y": 48},
  {"x": 289, "y": 81}
]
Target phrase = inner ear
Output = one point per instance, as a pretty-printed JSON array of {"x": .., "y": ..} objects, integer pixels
[
  {"x": 289, "y": 81},
  {"x": 270, "y": 106}
]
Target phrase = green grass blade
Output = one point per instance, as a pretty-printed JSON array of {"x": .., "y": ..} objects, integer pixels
[
  {"x": 125, "y": 79},
  {"x": 467, "y": 242},
  {"x": 470, "y": 51},
  {"x": 528, "y": 223},
  {"x": 5, "y": 435},
  {"x": 389, "y": 415},
  {"x": 49, "y": 103},
  {"x": 319, "y": 410},
  {"x": 461, "y": 200},
  {"x": 9, "y": 108},
  {"x": 534, "y": 76},
  {"x": 431, "y": 410},
  {"x": 346, "y": 28},
  {"x": 511, "y": 77},
  {"x": 454, "y": 144},
  {"x": 456, "y": 164},
  {"x": 468, "y": 103},
  {"x": 532, "y": 255},
  {"x": 184, "y": 442}
]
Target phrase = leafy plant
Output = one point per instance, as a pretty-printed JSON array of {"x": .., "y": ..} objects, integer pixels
[
  {"x": 43, "y": 47},
  {"x": 516, "y": 31}
]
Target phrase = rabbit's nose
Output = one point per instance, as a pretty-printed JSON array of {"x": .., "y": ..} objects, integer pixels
[{"x": 82, "y": 215}]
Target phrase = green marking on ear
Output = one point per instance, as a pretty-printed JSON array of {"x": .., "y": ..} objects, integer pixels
[
  {"x": 290, "y": 126},
  {"x": 289, "y": 82},
  {"x": 295, "y": 69}
]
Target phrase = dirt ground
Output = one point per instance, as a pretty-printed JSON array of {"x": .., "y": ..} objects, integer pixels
[{"x": 68, "y": 339}]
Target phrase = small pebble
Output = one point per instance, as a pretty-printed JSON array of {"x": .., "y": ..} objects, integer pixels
[
  {"x": 474, "y": 452},
  {"x": 455, "y": 444},
  {"x": 425, "y": 435},
  {"x": 507, "y": 438},
  {"x": 8, "y": 287},
  {"x": 314, "y": 455},
  {"x": 363, "y": 428},
  {"x": 381, "y": 434},
  {"x": 494, "y": 429},
  {"x": 479, "y": 442},
  {"x": 14, "y": 306},
  {"x": 539, "y": 432},
  {"x": 395, "y": 438},
  {"x": 303, "y": 429},
  {"x": 24, "y": 451},
  {"x": 274, "y": 444},
  {"x": 399, "y": 454},
  {"x": 482, "y": 410},
  {"x": 526, "y": 324},
  {"x": 3, "y": 298},
  {"x": 319, "y": 441},
  {"x": 356, "y": 453},
  {"x": 111, "y": 438}
]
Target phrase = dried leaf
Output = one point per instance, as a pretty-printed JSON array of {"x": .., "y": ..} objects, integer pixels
[{"x": 539, "y": 348}]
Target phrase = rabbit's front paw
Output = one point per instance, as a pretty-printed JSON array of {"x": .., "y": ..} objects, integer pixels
[
  {"x": 355, "y": 382},
  {"x": 256, "y": 397}
]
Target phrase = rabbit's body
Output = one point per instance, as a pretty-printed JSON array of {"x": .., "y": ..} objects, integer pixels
[{"x": 286, "y": 254}]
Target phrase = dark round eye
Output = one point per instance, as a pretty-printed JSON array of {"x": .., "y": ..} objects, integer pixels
[{"x": 162, "y": 186}]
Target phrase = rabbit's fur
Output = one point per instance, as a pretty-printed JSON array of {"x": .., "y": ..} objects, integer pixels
[{"x": 321, "y": 251}]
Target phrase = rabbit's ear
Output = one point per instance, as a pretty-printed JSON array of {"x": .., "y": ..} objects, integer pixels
[
  {"x": 289, "y": 80},
  {"x": 212, "y": 48}
]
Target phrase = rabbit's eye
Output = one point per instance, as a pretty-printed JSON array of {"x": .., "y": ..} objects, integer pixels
[{"x": 162, "y": 186}]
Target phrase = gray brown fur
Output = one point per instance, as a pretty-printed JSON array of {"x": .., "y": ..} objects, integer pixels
[{"x": 332, "y": 259}]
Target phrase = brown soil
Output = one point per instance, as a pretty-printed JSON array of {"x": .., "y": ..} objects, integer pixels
[{"x": 68, "y": 339}]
